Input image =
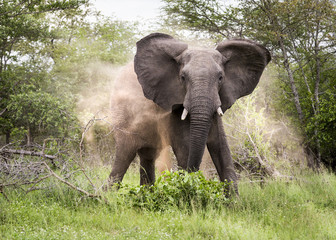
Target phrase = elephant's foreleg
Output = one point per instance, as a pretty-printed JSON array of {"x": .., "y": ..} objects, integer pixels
[
  {"x": 220, "y": 153},
  {"x": 179, "y": 138},
  {"x": 181, "y": 151}
]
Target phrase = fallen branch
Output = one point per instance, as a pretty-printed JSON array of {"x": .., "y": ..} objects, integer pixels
[
  {"x": 43, "y": 168},
  {"x": 29, "y": 153}
]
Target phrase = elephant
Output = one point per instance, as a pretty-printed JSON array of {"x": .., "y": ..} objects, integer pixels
[{"x": 174, "y": 95}]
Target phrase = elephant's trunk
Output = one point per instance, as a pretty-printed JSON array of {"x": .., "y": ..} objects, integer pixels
[{"x": 201, "y": 114}]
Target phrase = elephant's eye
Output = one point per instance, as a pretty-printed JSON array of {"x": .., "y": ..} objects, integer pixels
[
  {"x": 220, "y": 79},
  {"x": 183, "y": 78}
]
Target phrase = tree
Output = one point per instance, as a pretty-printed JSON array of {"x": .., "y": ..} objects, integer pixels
[
  {"x": 46, "y": 47},
  {"x": 210, "y": 17},
  {"x": 22, "y": 32},
  {"x": 301, "y": 35}
]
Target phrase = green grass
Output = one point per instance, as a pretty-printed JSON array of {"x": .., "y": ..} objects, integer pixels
[{"x": 304, "y": 208}]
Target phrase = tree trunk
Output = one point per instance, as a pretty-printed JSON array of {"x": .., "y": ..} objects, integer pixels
[
  {"x": 316, "y": 96},
  {"x": 29, "y": 137},
  {"x": 291, "y": 81},
  {"x": 7, "y": 137},
  {"x": 313, "y": 161}
]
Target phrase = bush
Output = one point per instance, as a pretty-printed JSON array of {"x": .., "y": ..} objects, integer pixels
[
  {"x": 41, "y": 113},
  {"x": 177, "y": 189}
]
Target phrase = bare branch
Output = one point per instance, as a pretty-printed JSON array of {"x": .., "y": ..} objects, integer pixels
[
  {"x": 270, "y": 171},
  {"x": 3, "y": 111},
  {"x": 87, "y": 127},
  {"x": 69, "y": 184}
]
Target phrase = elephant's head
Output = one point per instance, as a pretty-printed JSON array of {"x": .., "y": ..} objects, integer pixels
[{"x": 204, "y": 82}]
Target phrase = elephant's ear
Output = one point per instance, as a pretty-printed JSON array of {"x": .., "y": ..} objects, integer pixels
[
  {"x": 244, "y": 63},
  {"x": 158, "y": 70}
]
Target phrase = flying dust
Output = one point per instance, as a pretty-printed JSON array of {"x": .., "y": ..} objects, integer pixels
[{"x": 114, "y": 101}]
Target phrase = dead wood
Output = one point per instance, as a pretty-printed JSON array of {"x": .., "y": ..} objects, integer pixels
[{"x": 29, "y": 153}]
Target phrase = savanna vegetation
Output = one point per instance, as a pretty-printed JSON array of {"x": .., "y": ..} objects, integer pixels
[
  {"x": 303, "y": 208},
  {"x": 58, "y": 60}
]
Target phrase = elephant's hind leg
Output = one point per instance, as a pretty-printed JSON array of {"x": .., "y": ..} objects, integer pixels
[
  {"x": 123, "y": 158},
  {"x": 147, "y": 165}
]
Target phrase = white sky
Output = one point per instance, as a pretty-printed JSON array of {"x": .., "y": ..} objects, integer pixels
[
  {"x": 129, "y": 10},
  {"x": 132, "y": 10}
]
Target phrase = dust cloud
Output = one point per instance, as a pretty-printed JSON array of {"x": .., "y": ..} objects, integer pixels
[
  {"x": 93, "y": 110},
  {"x": 138, "y": 119},
  {"x": 95, "y": 94},
  {"x": 113, "y": 98}
]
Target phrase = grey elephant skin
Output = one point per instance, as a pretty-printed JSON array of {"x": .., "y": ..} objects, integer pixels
[{"x": 174, "y": 96}]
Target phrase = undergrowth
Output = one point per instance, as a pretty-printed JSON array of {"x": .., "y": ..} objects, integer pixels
[
  {"x": 178, "y": 206},
  {"x": 176, "y": 189}
]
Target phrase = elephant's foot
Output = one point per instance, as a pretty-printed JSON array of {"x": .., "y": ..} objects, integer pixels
[
  {"x": 231, "y": 190},
  {"x": 113, "y": 183}
]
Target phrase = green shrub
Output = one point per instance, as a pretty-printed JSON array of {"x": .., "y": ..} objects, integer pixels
[{"x": 177, "y": 189}]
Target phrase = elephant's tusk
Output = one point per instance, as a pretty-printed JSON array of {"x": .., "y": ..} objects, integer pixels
[
  {"x": 184, "y": 114},
  {"x": 220, "y": 111}
]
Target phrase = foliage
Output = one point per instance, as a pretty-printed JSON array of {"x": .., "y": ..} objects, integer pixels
[
  {"x": 177, "y": 189},
  {"x": 303, "y": 208},
  {"x": 103, "y": 39},
  {"x": 206, "y": 16},
  {"x": 41, "y": 113},
  {"x": 324, "y": 122},
  {"x": 318, "y": 120},
  {"x": 22, "y": 22}
]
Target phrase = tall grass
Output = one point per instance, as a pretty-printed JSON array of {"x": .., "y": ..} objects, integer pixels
[{"x": 303, "y": 208}]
